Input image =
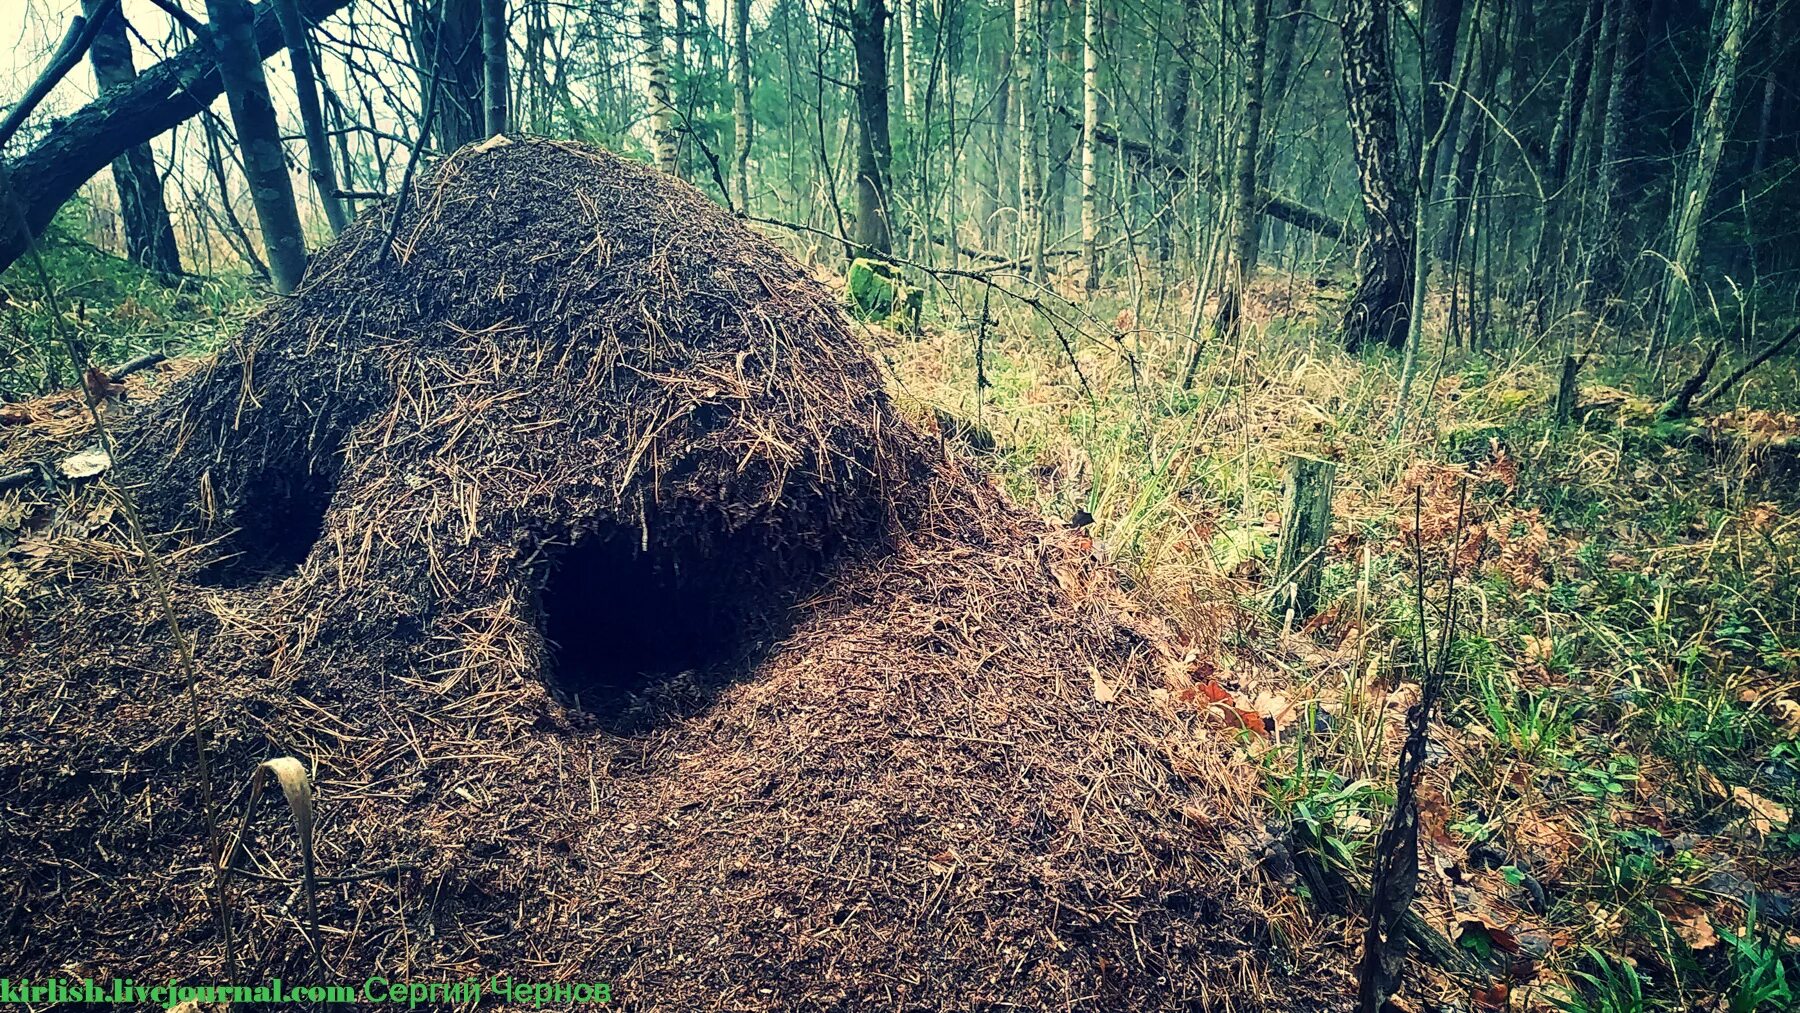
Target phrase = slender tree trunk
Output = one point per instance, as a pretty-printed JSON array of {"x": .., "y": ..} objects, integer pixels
[
  {"x": 658, "y": 91},
  {"x": 149, "y": 238},
  {"x": 1471, "y": 133},
  {"x": 1379, "y": 310},
  {"x": 1442, "y": 25},
  {"x": 1612, "y": 168},
  {"x": 235, "y": 233},
  {"x": 449, "y": 47},
  {"x": 495, "y": 78},
  {"x": 740, "y": 102},
  {"x": 1710, "y": 132},
  {"x": 265, "y": 164},
  {"x": 312, "y": 120},
  {"x": 1246, "y": 211},
  {"x": 874, "y": 151},
  {"x": 1005, "y": 164},
  {"x": 1028, "y": 68},
  {"x": 1778, "y": 47},
  {"x": 1176, "y": 102},
  {"x": 1090, "y": 158},
  {"x": 909, "y": 55},
  {"x": 1548, "y": 265}
]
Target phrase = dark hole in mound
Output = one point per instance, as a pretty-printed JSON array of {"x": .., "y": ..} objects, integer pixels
[
  {"x": 278, "y": 521},
  {"x": 636, "y": 637}
]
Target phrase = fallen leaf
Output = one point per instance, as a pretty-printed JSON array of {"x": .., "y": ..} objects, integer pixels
[
  {"x": 1102, "y": 691},
  {"x": 1766, "y": 815},
  {"x": 86, "y": 464},
  {"x": 99, "y": 385},
  {"x": 1403, "y": 696},
  {"x": 1788, "y": 713},
  {"x": 1539, "y": 650},
  {"x": 1694, "y": 928},
  {"x": 1277, "y": 709},
  {"x": 1492, "y": 997}
]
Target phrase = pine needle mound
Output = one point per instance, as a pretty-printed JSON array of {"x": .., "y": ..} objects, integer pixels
[{"x": 630, "y": 633}]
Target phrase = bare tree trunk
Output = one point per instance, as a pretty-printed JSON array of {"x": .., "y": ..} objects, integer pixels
[
  {"x": 1175, "y": 120},
  {"x": 449, "y": 47},
  {"x": 909, "y": 96},
  {"x": 1442, "y": 25},
  {"x": 235, "y": 234},
  {"x": 1246, "y": 213},
  {"x": 312, "y": 121},
  {"x": 1470, "y": 137},
  {"x": 495, "y": 78},
  {"x": 1001, "y": 152},
  {"x": 265, "y": 164},
  {"x": 658, "y": 91},
  {"x": 1552, "y": 238},
  {"x": 1380, "y": 309},
  {"x": 874, "y": 152},
  {"x": 740, "y": 102},
  {"x": 1090, "y": 160},
  {"x": 1710, "y": 132},
  {"x": 149, "y": 238},
  {"x": 1028, "y": 66}
]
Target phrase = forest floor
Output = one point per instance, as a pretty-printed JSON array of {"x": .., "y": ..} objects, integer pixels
[{"x": 1607, "y": 806}]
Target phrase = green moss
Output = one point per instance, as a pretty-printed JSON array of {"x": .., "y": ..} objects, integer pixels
[{"x": 879, "y": 295}]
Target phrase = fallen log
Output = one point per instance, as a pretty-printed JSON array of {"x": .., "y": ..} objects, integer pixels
[{"x": 78, "y": 146}]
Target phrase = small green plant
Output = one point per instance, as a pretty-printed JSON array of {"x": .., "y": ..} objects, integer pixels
[
  {"x": 1606, "y": 781},
  {"x": 1761, "y": 977},
  {"x": 1611, "y": 987}
]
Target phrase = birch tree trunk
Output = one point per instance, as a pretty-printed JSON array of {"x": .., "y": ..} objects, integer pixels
[
  {"x": 495, "y": 78},
  {"x": 1175, "y": 121},
  {"x": 740, "y": 103},
  {"x": 1380, "y": 309},
  {"x": 1029, "y": 70},
  {"x": 909, "y": 96},
  {"x": 149, "y": 238},
  {"x": 1690, "y": 208},
  {"x": 1246, "y": 211},
  {"x": 1090, "y": 160},
  {"x": 658, "y": 92},
  {"x": 312, "y": 120},
  {"x": 265, "y": 165}
]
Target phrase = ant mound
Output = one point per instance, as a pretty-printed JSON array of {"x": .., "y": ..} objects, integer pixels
[{"x": 626, "y": 631}]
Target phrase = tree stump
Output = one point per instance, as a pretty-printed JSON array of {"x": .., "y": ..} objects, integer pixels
[
  {"x": 1568, "y": 389},
  {"x": 1305, "y": 524}
]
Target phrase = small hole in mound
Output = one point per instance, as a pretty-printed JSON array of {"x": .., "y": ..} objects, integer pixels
[
  {"x": 636, "y": 637},
  {"x": 277, "y": 523}
]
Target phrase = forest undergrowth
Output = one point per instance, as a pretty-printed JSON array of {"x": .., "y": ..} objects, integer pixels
[
  {"x": 1606, "y": 811},
  {"x": 1607, "y": 807}
]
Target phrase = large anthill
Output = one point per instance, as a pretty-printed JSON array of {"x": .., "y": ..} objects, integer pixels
[{"x": 630, "y": 633}]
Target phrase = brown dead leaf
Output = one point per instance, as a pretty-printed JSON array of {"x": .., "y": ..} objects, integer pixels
[
  {"x": 1403, "y": 696},
  {"x": 1103, "y": 691},
  {"x": 1787, "y": 712},
  {"x": 1766, "y": 815},
  {"x": 1694, "y": 928},
  {"x": 1277, "y": 709},
  {"x": 1539, "y": 650},
  {"x": 1492, "y": 997},
  {"x": 100, "y": 386}
]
